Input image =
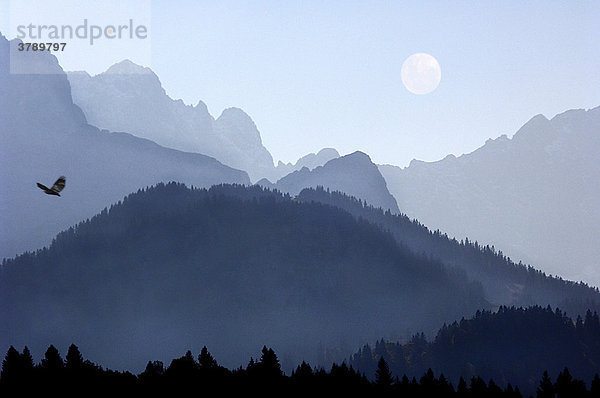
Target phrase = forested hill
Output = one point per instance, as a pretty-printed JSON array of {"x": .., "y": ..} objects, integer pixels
[
  {"x": 505, "y": 282},
  {"x": 513, "y": 345},
  {"x": 232, "y": 268}
]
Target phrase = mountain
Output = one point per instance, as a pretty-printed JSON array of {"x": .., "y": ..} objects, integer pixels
[
  {"x": 504, "y": 282},
  {"x": 233, "y": 268},
  {"x": 354, "y": 174},
  {"x": 512, "y": 345},
  {"x": 43, "y": 135},
  {"x": 534, "y": 195},
  {"x": 129, "y": 97},
  {"x": 310, "y": 161}
]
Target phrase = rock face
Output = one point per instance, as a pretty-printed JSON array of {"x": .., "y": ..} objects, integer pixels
[
  {"x": 535, "y": 196},
  {"x": 353, "y": 174},
  {"x": 129, "y": 97},
  {"x": 44, "y": 135}
]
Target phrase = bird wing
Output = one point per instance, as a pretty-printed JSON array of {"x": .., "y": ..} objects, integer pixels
[
  {"x": 59, "y": 184},
  {"x": 45, "y": 188}
]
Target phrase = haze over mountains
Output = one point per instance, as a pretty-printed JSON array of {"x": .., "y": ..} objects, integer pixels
[
  {"x": 105, "y": 166},
  {"x": 310, "y": 161},
  {"x": 129, "y": 97},
  {"x": 354, "y": 174},
  {"x": 231, "y": 268},
  {"x": 234, "y": 267},
  {"x": 504, "y": 281},
  {"x": 294, "y": 266},
  {"x": 534, "y": 196},
  {"x": 44, "y": 135}
]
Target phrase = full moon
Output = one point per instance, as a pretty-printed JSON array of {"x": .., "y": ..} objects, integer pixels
[{"x": 421, "y": 73}]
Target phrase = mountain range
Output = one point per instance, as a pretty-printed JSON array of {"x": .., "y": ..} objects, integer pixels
[
  {"x": 102, "y": 166},
  {"x": 335, "y": 252},
  {"x": 44, "y": 135},
  {"x": 232, "y": 267},
  {"x": 354, "y": 174},
  {"x": 532, "y": 195},
  {"x": 129, "y": 97},
  {"x": 535, "y": 195},
  {"x": 310, "y": 161}
]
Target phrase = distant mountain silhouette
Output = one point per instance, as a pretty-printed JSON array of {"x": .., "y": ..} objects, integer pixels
[
  {"x": 534, "y": 195},
  {"x": 310, "y": 161},
  {"x": 353, "y": 174},
  {"x": 43, "y": 135},
  {"x": 231, "y": 268},
  {"x": 129, "y": 97}
]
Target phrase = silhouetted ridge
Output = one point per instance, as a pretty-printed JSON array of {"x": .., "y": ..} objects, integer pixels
[
  {"x": 504, "y": 282},
  {"x": 513, "y": 345},
  {"x": 535, "y": 195},
  {"x": 44, "y": 135},
  {"x": 481, "y": 356},
  {"x": 231, "y": 266}
]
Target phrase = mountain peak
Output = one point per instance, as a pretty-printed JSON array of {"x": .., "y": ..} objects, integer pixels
[
  {"x": 358, "y": 155},
  {"x": 127, "y": 67},
  {"x": 201, "y": 106},
  {"x": 534, "y": 123},
  {"x": 238, "y": 126},
  {"x": 236, "y": 115},
  {"x": 354, "y": 174},
  {"x": 331, "y": 152},
  {"x": 536, "y": 127}
]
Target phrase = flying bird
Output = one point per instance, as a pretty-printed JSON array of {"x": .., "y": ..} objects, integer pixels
[{"x": 56, "y": 188}]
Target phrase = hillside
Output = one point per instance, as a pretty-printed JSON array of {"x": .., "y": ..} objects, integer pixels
[
  {"x": 514, "y": 345},
  {"x": 504, "y": 281},
  {"x": 230, "y": 267}
]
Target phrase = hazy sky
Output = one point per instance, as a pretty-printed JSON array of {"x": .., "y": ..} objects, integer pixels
[{"x": 316, "y": 74}]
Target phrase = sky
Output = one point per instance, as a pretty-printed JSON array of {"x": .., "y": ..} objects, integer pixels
[{"x": 315, "y": 74}]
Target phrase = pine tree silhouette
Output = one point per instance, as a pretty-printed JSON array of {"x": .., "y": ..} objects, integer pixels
[
  {"x": 52, "y": 360},
  {"x": 566, "y": 386},
  {"x": 269, "y": 363},
  {"x": 74, "y": 359},
  {"x": 546, "y": 388},
  {"x": 206, "y": 360},
  {"x": 11, "y": 366},
  {"x": 383, "y": 375}
]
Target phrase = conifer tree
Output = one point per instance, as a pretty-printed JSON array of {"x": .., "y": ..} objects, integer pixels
[
  {"x": 269, "y": 363},
  {"x": 27, "y": 359},
  {"x": 383, "y": 375},
  {"x": 546, "y": 388},
  {"x": 206, "y": 360},
  {"x": 74, "y": 359},
  {"x": 52, "y": 360},
  {"x": 11, "y": 368}
]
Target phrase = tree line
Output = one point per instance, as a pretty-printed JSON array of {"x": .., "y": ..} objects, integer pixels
[
  {"x": 75, "y": 375},
  {"x": 510, "y": 345}
]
